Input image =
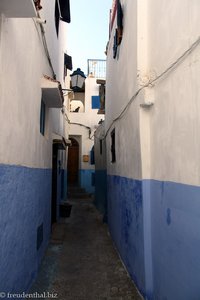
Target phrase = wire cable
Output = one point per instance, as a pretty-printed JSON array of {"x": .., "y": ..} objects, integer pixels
[
  {"x": 87, "y": 127},
  {"x": 41, "y": 34},
  {"x": 153, "y": 81}
]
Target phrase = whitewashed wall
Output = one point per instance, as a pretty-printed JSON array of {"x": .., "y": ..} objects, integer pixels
[
  {"x": 147, "y": 49},
  {"x": 25, "y": 154},
  {"x": 153, "y": 187},
  {"x": 123, "y": 79},
  {"x": 23, "y": 62},
  {"x": 121, "y": 85},
  {"x": 89, "y": 118},
  {"x": 175, "y": 143},
  {"x": 100, "y": 158},
  {"x": 57, "y": 46},
  {"x": 22, "y": 66}
]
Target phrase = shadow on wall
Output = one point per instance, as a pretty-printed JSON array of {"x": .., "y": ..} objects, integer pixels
[
  {"x": 25, "y": 222},
  {"x": 87, "y": 180}
]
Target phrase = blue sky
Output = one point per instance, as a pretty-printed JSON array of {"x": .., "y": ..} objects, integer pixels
[{"x": 88, "y": 31}]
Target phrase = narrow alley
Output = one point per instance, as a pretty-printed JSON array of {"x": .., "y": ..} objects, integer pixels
[
  {"x": 100, "y": 149},
  {"x": 81, "y": 262}
]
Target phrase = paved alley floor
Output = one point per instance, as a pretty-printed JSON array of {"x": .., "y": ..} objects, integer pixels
[{"x": 81, "y": 262}]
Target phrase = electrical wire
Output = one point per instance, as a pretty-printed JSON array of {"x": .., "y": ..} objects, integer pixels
[
  {"x": 87, "y": 127},
  {"x": 50, "y": 63},
  {"x": 79, "y": 124},
  {"x": 41, "y": 34},
  {"x": 67, "y": 119},
  {"x": 153, "y": 81},
  {"x": 46, "y": 50}
]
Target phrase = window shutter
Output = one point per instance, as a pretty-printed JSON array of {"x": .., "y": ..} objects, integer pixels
[
  {"x": 92, "y": 159},
  {"x": 115, "y": 44},
  {"x": 68, "y": 61},
  {"x": 95, "y": 102},
  {"x": 65, "y": 10},
  {"x": 119, "y": 22}
]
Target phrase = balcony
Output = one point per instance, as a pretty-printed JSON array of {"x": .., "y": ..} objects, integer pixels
[
  {"x": 97, "y": 68},
  {"x": 52, "y": 92},
  {"x": 18, "y": 8}
]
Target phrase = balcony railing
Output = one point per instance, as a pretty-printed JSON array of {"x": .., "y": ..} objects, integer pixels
[{"x": 97, "y": 68}]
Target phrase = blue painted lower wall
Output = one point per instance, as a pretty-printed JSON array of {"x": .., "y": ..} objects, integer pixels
[
  {"x": 86, "y": 180},
  {"x": 65, "y": 185},
  {"x": 169, "y": 251},
  {"x": 175, "y": 240},
  {"x": 25, "y": 204},
  {"x": 125, "y": 221},
  {"x": 101, "y": 192}
]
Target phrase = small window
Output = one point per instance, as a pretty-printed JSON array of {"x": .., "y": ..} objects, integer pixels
[
  {"x": 65, "y": 10},
  {"x": 119, "y": 22},
  {"x": 67, "y": 64},
  {"x": 113, "y": 153},
  {"x": 101, "y": 146},
  {"x": 115, "y": 45},
  {"x": 42, "y": 117},
  {"x": 62, "y": 12},
  {"x": 95, "y": 102}
]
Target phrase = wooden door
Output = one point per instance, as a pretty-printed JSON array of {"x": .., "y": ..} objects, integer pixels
[{"x": 73, "y": 162}]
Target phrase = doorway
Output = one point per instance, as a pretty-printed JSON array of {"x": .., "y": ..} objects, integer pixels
[{"x": 73, "y": 162}]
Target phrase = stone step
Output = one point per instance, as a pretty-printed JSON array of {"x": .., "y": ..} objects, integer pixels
[
  {"x": 77, "y": 192},
  {"x": 78, "y": 195},
  {"x": 73, "y": 189}
]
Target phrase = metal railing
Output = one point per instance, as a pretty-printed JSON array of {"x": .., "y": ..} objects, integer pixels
[{"x": 97, "y": 68}]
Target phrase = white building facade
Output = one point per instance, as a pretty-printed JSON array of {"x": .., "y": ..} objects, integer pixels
[
  {"x": 82, "y": 125},
  {"x": 32, "y": 51},
  {"x": 151, "y": 131}
]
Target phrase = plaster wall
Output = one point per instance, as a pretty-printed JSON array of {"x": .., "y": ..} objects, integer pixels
[
  {"x": 176, "y": 104},
  {"x": 86, "y": 120},
  {"x": 89, "y": 115},
  {"x": 100, "y": 156},
  {"x": 21, "y": 95},
  {"x": 56, "y": 44},
  {"x": 127, "y": 146},
  {"x": 176, "y": 107},
  {"x": 22, "y": 67},
  {"x": 174, "y": 144},
  {"x": 122, "y": 83},
  {"x": 58, "y": 122},
  {"x": 123, "y": 79},
  {"x": 21, "y": 213},
  {"x": 153, "y": 187},
  {"x": 25, "y": 154},
  {"x": 89, "y": 118}
]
